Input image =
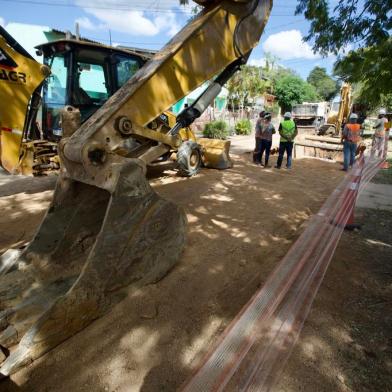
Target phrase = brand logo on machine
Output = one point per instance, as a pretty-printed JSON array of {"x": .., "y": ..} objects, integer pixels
[
  {"x": 6, "y": 61},
  {"x": 7, "y": 66},
  {"x": 12, "y": 76}
]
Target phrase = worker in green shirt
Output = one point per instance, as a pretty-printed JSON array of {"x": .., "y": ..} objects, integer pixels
[{"x": 288, "y": 131}]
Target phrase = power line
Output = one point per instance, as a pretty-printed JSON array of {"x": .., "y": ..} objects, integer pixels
[
  {"x": 117, "y": 8},
  {"x": 272, "y": 28},
  {"x": 70, "y": 5}
]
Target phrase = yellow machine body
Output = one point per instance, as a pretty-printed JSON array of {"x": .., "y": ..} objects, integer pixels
[
  {"x": 106, "y": 227},
  {"x": 336, "y": 119},
  {"x": 22, "y": 156},
  {"x": 20, "y": 76}
]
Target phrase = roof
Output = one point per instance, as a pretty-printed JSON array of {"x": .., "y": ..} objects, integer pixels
[
  {"x": 146, "y": 54},
  {"x": 69, "y": 37}
]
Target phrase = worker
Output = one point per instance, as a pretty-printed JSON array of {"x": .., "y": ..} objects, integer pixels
[
  {"x": 258, "y": 128},
  {"x": 350, "y": 138},
  {"x": 379, "y": 133},
  {"x": 288, "y": 131},
  {"x": 267, "y": 131}
]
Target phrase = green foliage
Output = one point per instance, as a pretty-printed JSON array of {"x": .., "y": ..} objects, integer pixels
[
  {"x": 246, "y": 84},
  {"x": 386, "y": 101},
  {"x": 243, "y": 127},
  {"x": 291, "y": 90},
  {"x": 367, "y": 24},
  {"x": 372, "y": 68},
  {"x": 274, "y": 109},
  {"x": 216, "y": 130},
  {"x": 325, "y": 86}
]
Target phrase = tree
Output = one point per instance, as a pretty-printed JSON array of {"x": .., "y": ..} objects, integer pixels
[
  {"x": 371, "y": 68},
  {"x": 291, "y": 89},
  {"x": 367, "y": 25},
  {"x": 325, "y": 86},
  {"x": 246, "y": 84}
]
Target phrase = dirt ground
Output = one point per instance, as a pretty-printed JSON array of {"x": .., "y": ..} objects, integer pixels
[{"x": 242, "y": 221}]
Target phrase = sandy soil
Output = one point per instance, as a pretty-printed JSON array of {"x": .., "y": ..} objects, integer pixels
[
  {"x": 241, "y": 223},
  {"x": 346, "y": 343}
]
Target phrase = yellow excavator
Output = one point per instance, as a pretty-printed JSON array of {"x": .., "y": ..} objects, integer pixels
[
  {"x": 327, "y": 143},
  {"x": 77, "y": 74},
  {"x": 338, "y": 115},
  {"x": 106, "y": 228}
]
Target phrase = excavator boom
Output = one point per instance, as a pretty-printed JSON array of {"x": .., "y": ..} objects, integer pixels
[{"x": 106, "y": 228}]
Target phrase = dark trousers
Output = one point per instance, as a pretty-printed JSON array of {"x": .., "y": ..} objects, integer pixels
[
  {"x": 265, "y": 146},
  {"x": 285, "y": 147},
  {"x": 262, "y": 146},
  {"x": 349, "y": 150},
  {"x": 257, "y": 153}
]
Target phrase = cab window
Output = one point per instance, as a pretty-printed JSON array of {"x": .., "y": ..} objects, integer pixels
[
  {"x": 57, "y": 81},
  {"x": 90, "y": 83},
  {"x": 126, "y": 68}
]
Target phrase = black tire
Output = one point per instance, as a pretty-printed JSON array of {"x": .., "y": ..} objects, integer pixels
[{"x": 189, "y": 159}]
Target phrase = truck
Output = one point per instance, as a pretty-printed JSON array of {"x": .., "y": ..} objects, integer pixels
[{"x": 309, "y": 117}]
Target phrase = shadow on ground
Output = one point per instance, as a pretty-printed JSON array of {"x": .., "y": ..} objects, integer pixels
[
  {"x": 346, "y": 344},
  {"x": 241, "y": 223}
]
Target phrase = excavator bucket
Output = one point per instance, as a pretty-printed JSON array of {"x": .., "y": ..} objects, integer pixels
[
  {"x": 106, "y": 227},
  {"x": 216, "y": 153},
  {"x": 89, "y": 246}
]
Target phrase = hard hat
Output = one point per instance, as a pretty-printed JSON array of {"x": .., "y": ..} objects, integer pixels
[
  {"x": 287, "y": 115},
  {"x": 382, "y": 111},
  {"x": 353, "y": 116}
]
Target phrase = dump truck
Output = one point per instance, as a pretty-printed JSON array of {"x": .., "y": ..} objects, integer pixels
[
  {"x": 309, "y": 117},
  {"x": 106, "y": 228}
]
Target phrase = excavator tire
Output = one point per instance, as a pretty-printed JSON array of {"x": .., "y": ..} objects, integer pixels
[{"x": 189, "y": 159}]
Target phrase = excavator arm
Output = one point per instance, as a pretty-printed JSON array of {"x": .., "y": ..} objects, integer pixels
[
  {"x": 106, "y": 228},
  {"x": 225, "y": 32}
]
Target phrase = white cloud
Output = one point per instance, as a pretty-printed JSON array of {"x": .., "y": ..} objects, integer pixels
[
  {"x": 2, "y": 22},
  {"x": 289, "y": 45},
  {"x": 114, "y": 16},
  {"x": 86, "y": 23},
  {"x": 167, "y": 23}
]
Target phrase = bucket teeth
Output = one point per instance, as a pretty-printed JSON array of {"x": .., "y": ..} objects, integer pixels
[{"x": 90, "y": 244}]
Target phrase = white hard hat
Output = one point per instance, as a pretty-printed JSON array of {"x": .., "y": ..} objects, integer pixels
[
  {"x": 353, "y": 116},
  {"x": 287, "y": 115},
  {"x": 382, "y": 111}
]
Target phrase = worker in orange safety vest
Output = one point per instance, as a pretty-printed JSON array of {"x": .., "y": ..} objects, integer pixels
[{"x": 350, "y": 139}]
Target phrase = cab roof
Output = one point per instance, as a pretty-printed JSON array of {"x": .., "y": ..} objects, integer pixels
[{"x": 146, "y": 54}]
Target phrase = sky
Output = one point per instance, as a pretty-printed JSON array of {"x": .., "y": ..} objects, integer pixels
[{"x": 151, "y": 23}]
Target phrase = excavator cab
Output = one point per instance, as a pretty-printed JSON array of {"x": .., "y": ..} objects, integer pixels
[{"x": 83, "y": 75}]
